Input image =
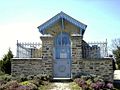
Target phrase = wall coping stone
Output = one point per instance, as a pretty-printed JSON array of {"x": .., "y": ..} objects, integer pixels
[
  {"x": 99, "y": 59},
  {"x": 76, "y": 35},
  {"x": 47, "y": 35},
  {"x": 26, "y": 58}
]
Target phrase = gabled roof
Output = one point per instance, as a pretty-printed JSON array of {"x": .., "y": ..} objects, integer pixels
[{"x": 61, "y": 15}]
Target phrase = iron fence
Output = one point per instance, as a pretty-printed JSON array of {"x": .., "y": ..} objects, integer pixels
[
  {"x": 29, "y": 50},
  {"x": 94, "y": 49},
  {"x": 89, "y": 50}
]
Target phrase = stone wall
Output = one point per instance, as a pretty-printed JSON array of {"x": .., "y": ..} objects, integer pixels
[
  {"x": 26, "y": 66},
  {"x": 76, "y": 53},
  {"x": 47, "y": 54},
  {"x": 56, "y": 28},
  {"x": 101, "y": 67}
]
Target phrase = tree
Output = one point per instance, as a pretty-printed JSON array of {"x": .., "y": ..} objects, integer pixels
[
  {"x": 116, "y": 51},
  {"x": 6, "y": 62}
]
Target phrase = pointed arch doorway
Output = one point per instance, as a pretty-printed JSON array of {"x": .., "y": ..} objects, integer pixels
[{"x": 62, "y": 56}]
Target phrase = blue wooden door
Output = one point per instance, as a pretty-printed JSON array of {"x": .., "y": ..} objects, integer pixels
[{"x": 62, "y": 56}]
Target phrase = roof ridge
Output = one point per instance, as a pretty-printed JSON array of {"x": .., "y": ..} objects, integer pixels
[{"x": 57, "y": 17}]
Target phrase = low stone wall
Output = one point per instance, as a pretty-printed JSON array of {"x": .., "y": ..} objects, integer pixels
[
  {"x": 101, "y": 67},
  {"x": 26, "y": 66}
]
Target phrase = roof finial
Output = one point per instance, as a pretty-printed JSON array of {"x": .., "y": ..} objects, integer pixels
[{"x": 61, "y": 12}]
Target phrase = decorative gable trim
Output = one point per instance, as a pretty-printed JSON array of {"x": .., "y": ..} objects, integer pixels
[{"x": 61, "y": 15}]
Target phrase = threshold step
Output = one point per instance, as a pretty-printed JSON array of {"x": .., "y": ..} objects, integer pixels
[{"x": 62, "y": 79}]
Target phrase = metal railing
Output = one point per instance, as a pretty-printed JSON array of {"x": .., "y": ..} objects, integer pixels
[
  {"x": 29, "y": 50},
  {"x": 94, "y": 49},
  {"x": 89, "y": 50}
]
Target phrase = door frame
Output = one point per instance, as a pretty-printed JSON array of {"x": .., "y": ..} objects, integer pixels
[{"x": 54, "y": 57}]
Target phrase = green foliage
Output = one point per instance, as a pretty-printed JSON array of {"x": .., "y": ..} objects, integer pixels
[
  {"x": 30, "y": 77},
  {"x": 74, "y": 86},
  {"x": 93, "y": 83},
  {"x": 116, "y": 51},
  {"x": 0, "y": 63},
  {"x": 49, "y": 86},
  {"x": 22, "y": 82},
  {"x": 31, "y": 86},
  {"x": 1, "y": 73},
  {"x": 22, "y": 78},
  {"x": 5, "y": 63},
  {"x": 9, "y": 85},
  {"x": 6, "y": 77},
  {"x": 25, "y": 83},
  {"x": 117, "y": 56}
]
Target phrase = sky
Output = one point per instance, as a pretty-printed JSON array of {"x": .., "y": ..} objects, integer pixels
[{"x": 19, "y": 19}]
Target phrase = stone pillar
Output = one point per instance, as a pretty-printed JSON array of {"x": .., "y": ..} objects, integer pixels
[
  {"x": 76, "y": 53},
  {"x": 47, "y": 56}
]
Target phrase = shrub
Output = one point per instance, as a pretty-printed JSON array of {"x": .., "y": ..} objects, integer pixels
[
  {"x": 29, "y": 85},
  {"x": 30, "y": 77},
  {"x": 109, "y": 85},
  {"x": 74, "y": 86},
  {"x": 22, "y": 87},
  {"x": 25, "y": 83},
  {"x": 22, "y": 78},
  {"x": 96, "y": 83},
  {"x": 89, "y": 81},
  {"x": 46, "y": 78},
  {"x": 36, "y": 82},
  {"x": 79, "y": 74},
  {"x": 5, "y": 78},
  {"x": 32, "y": 86},
  {"x": 5, "y": 64},
  {"x": 1, "y": 73},
  {"x": 38, "y": 76},
  {"x": 9, "y": 85},
  {"x": 81, "y": 83},
  {"x": 14, "y": 85},
  {"x": 2, "y": 82}
]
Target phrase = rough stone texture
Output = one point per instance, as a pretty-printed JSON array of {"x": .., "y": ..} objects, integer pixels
[
  {"x": 76, "y": 53},
  {"x": 44, "y": 66},
  {"x": 26, "y": 66},
  {"x": 68, "y": 27},
  {"x": 47, "y": 54},
  {"x": 91, "y": 51},
  {"x": 102, "y": 67}
]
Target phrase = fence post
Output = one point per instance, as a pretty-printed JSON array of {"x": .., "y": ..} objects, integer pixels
[
  {"x": 17, "y": 50},
  {"x": 106, "y": 48}
]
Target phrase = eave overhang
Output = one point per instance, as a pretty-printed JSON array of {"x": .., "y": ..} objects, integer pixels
[{"x": 59, "y": 16}]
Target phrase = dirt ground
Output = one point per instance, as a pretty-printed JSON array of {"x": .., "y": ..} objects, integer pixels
[{"x": 61, "y": 86}]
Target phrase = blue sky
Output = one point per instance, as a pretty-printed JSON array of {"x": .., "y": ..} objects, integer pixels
[{"x": 19, "y": 19}]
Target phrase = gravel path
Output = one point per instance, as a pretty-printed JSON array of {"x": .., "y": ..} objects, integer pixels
[
  {"x": 65, "y": 85},
  {"x": 61, "y": 86}
]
